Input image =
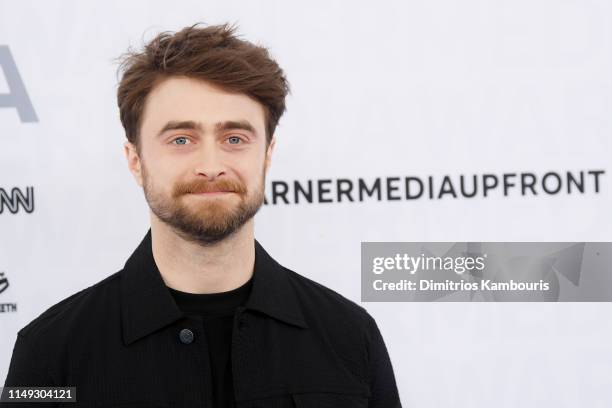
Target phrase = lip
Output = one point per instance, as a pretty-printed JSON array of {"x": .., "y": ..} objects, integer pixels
[{"x": 213, "y": 193}]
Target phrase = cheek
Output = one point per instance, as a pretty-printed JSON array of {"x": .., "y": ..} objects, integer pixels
[
  {"x": 161, "y": 178},
  {"x": 256, "y": 181},
  {"x": 166, "y": 168}
]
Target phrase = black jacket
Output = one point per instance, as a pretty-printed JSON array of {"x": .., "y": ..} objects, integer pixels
[{"x": 295, "y": 343}]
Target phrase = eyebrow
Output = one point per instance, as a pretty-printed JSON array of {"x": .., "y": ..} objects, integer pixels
[{"x": 219, "y": 126}]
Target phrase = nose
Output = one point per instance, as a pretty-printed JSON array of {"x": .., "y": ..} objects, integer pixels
[{"x": 209, "y": 162}]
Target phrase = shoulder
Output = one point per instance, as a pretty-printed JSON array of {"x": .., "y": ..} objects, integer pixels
[
  {"x": 73, "y": 310},
  {"x": 337, "y": 322},
  {"x": 323, "y": 303}
]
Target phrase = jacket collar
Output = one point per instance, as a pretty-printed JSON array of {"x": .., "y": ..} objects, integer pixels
[{"x": 147, "y": 305}]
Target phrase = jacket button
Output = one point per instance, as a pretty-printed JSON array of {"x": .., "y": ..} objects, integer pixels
[{"x": 186, "y": 336}]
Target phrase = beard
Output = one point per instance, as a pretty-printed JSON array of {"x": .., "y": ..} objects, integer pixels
[{"x": 206, "y": 220}]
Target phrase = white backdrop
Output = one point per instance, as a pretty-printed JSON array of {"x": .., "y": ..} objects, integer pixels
[{"x": 385, "y": 89}]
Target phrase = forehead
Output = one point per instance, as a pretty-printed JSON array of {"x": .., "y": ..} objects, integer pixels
[{"x": 181, "y": 98}]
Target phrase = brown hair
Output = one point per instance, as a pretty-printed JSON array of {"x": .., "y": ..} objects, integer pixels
[{"x": 213, "y": 54}]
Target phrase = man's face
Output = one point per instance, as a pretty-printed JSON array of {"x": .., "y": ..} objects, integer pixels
[{"x": 203, "y": 158}]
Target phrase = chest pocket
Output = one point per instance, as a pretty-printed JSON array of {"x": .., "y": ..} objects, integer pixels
[
  {"x": 139, "y": 405},
  {"x": 308, "y": 400},
  {"x": 329, "y": 400},
  {"x": 131, "y": 405},
  {"x": 111, "y": 405}
]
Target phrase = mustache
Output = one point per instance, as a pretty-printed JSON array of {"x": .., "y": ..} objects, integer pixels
[{"x": 203, "y": 186}]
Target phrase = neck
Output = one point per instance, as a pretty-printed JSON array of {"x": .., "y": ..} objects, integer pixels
[{"x": 189, "y": 267}]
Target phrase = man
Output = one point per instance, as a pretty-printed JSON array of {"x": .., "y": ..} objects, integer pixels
[{"x": 201, "y": 315}]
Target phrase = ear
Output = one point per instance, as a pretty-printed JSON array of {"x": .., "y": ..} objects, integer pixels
[
  {"x": 134, "y": 163},
  {"x": 269, "y": 152}
]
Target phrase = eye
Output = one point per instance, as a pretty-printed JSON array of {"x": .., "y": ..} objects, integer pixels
[
  {"x": 181, "y": 140},
  {"x": 236, "y": 139}
]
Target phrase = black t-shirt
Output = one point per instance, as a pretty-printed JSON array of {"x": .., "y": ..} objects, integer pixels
[{"x": 217, "y": 311}]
